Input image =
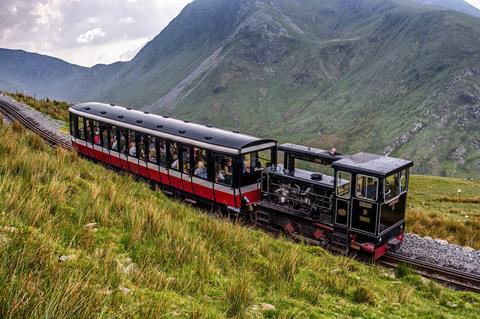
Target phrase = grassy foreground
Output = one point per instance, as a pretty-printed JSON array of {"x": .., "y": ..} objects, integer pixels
[{"x": 149, "y": 257}]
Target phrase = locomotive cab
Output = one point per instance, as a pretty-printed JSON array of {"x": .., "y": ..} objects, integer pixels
[{"x": 371, "y": 195}]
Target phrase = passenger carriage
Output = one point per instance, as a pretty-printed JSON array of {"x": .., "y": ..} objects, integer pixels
[{"x": 202, "y": 163}]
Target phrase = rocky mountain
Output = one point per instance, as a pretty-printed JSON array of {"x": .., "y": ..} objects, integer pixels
[{"x": 394, "y": 77}]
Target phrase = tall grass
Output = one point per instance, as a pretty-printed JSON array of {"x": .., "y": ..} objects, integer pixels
[
  {"x": 56, "y": 109},
  {"x": 181, "y": 262}
]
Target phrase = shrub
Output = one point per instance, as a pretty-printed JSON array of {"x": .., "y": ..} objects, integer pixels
[{"x": 364, "y": 295}]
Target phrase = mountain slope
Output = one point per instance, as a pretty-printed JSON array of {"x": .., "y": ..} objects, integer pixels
[{"x": 385, "y": 76}]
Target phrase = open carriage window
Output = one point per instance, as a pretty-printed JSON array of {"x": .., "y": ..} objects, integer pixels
[
  {"x": 96, "y": 133},
  {"x": 173, "y": 157},
  {"x": 201, "y": 163},
  {"x": 367, "y": 187},
  {"x": 105, "y": 131},
  {"x": 152, "y": 149},
  {"x": 185, "y": 159},
  {"x": 162, "y": 152},
  {"x": 141, "y": 146},
  {"x": 81, "y": 128},
  {"x": 113, "y": 138},
  {"x": 223, "y": 169}
]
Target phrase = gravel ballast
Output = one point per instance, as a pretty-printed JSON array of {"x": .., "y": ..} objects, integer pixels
[
  {"x": 440, "y": 252},
  {"x": 42, "y": 120}
]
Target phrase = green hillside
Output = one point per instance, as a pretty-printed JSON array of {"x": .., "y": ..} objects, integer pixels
[
  {"x": 80, "y": 241},
  {"x": 384, "y": 76}
]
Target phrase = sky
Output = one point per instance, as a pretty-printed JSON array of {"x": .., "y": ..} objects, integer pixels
[
  {"x": 87, "y": 32},
  {"x": 84, "y": 32}
]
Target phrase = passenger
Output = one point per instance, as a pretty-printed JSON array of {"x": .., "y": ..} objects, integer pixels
[
  {"x": 220, "y": 176},
  {"x": 96, "y": 138},
  {"x": 258, "y": 166},
  {"x": 175, "y": 162},
  {"x": 152, "y": 153},
  {"x": 132, "y": 150},
  {"x": 114, "y": 143},
  {"x": 201, "y": 170}
]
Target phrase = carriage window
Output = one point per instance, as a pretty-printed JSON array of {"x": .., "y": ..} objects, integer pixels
[
  {"x": 123, "y": 141},
  {"x": 173, "y": 160},
  {"x": 162, "y": 150},
  {"x": 403, "y": 180},
  {"x": 392, "y": 187},
  {"x": 200, "y": 160},
  {"x": 367, "y": 187},
  {"x": 89, "y": 133},
  {"x": 132, "y": 149},
  {"x": 152, "y": 149},
  {"x": 81, "y": 128},
  {"x": 113, "y": 138},
  {"x": 96, "y": 132},
  {"x": 141, "y": 146},
  {"x": 73, "y": 127},
  {"x": 105, "y": 132},
  {"x": 223, "y": 169},
  {"x": 343, "y": 184},
  {"x": 185, "y": 159}
]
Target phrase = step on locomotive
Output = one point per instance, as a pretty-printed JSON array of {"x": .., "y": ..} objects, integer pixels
[{"x": 359, "y": 206}]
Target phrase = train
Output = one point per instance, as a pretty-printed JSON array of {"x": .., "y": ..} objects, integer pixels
[{"x": 359, "y": 207}]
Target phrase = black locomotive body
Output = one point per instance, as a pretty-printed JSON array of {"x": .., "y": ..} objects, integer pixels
[{"x": 362, "y": 206}]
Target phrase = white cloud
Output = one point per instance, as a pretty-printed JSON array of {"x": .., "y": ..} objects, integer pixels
[
  {"x": 46, "y": 12},
  {"x": 126, "y": 20},
  {"x": 91, "y": 35},
  {"x": 475, "y": 3}
]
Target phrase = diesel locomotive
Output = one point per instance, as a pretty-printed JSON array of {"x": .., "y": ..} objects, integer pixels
[{"x": 359, "y": 206}]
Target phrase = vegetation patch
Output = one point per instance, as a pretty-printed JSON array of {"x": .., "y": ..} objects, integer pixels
[{"x": 56, "y": 109}]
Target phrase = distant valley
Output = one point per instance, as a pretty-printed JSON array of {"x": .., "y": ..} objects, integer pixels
[{"x": 393, "y": 77}]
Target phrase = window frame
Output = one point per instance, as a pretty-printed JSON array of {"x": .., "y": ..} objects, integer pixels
[
  {"x": 385, "y": 187},
  {"x": 407, "y": 177},
  {"x": 337, "y": 178},
  {"x": 357, "y": 177},
  {"x": 169, "y": 155}
]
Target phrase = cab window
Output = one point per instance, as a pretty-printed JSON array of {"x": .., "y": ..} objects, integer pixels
[
  {"x": 403, "y": 180},
  {"x": 367, "y": 187},
  {"x": 392, "y": 186},
  {"x": 343, "y": 184}
]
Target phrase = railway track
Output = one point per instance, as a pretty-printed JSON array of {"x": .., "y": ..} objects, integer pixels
[
  {"x": 450, "y": 277},
  {"x": 14, "y": 113}
]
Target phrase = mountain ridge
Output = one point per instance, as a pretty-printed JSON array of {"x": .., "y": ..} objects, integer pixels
[{"x": 384, "y": 76}]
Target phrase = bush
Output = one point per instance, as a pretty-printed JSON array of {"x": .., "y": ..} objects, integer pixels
[{"x": 364, "y": 295}]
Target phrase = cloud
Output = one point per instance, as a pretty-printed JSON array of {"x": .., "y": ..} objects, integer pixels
[
  {"x": 46, "y": 12},
  {"x": 66, "y": 28},
  {"x": 91, "y": 35},
  {"x": 127, "y": 20}
]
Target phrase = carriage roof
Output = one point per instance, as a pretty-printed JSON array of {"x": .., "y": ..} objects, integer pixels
[{"x": 197, "y": 134}]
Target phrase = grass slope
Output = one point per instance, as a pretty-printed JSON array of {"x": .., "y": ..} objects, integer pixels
[
  {"x": 445, "y": 208},
  {"x": 151, "y": 257}
]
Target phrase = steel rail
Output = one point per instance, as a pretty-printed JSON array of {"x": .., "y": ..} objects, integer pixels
[
  {"x": 455, "y": 278},
  {"x": 52, "y": 138}
]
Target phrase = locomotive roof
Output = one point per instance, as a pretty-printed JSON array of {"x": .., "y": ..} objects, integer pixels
[
  {"x": 175, "y": 129},
  {"x": 310, "y": 152},
  {"x": 374, "y": 164}
]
